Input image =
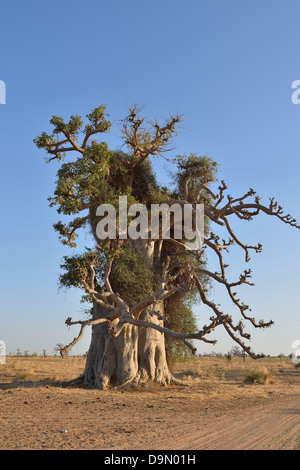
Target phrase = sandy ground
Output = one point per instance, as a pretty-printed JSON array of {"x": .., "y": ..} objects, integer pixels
[{"x": 217, "y": 410}]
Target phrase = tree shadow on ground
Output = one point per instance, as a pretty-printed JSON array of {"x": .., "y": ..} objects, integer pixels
[{"x": 16, "y": 383}]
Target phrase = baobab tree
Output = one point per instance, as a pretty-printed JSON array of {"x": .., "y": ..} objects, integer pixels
[{"x": 135, "y": 284}]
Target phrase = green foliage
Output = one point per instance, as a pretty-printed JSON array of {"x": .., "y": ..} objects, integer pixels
[
  {"x": 195, "y": 169},
  {"x": 181, "y": 318},
  {"x": 145, "y": 188},
  {"x": 65, "y": 134},
  {"x": 76, "y": 270},
  {"x": 71, "y": 128},
  {"x": 131, "y": 277},
  {"x": 98, "y": 121},
  {"x": 79, "y": 181}
]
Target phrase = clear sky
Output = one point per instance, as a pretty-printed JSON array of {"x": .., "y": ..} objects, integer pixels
[{"x": 226, "y": 66}]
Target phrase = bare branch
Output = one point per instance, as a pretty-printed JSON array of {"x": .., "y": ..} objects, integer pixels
[
  {"x": 84, "y": 324},
  {"x": 242, "y": 245},
  {"x": 224, "y": 320},
  {"x": 144, "y": 142},
  {"x": 113, "y": 296},
  {"x": 182, "y": 336}
]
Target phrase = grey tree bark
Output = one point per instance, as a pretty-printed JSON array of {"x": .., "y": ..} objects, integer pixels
[{"x": 136, "y": 355}]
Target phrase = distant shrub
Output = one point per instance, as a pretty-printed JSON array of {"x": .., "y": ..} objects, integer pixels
[
  {"x": 23, "y": 375},
  {"x": 260, "y": 377}
]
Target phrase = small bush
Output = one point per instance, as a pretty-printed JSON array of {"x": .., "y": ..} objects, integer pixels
[
  {"x": 23, "y": 375},
  {"x": 260, "y": 377}
]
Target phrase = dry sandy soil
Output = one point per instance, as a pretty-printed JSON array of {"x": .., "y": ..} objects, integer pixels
[{"x": 217, "y": 410}]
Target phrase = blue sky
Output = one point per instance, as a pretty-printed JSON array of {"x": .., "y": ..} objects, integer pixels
[{"x": 226, "y": 66}]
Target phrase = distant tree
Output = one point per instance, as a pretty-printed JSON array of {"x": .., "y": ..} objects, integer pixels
[
  {"x": 235, "y": 351},
  {"x": 130, "y": 283},
  {"x": 59, "y": 348}
]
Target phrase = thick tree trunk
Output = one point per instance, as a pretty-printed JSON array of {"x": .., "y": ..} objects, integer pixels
[{"x": 137, "y": 355}]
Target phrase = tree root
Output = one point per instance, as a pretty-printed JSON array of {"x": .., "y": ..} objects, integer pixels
[{"x": 137, "y": 381}]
